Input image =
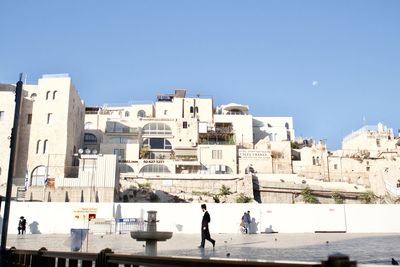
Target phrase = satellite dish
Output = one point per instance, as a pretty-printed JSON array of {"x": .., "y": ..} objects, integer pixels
[
  {"x": 80, "y": 151},
  {"x": 87, "y": 151},
  {"x": 94, "y": 151}
]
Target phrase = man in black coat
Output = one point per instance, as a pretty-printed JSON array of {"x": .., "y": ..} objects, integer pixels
[{"x": 205, "y": 232}]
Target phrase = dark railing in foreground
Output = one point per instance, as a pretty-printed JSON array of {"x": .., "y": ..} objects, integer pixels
[{"x": 106, "y": 258}]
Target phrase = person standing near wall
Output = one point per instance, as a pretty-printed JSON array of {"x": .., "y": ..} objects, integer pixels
[
  {"x": 247, "y": 221},
  {"x": 21, "y": 225},
  {"x": 205, "y": 232}
]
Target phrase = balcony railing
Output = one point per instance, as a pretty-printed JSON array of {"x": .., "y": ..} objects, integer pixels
[
  {"x": 123, "y": 130},
  {"x": 43, "y": 258}
]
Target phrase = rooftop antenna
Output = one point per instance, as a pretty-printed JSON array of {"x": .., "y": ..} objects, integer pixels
[{"x": 364, "y": 120}]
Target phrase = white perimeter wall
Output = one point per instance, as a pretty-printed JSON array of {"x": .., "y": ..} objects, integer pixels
[{"x": 59, "y": 218}]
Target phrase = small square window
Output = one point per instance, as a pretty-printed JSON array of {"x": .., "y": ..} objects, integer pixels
[
  {"x": 1, "y": 115},
  {"x": 49, "y": 117},
  {"x": 29, "y": 121},
  {"x": 185, "y": 124}
]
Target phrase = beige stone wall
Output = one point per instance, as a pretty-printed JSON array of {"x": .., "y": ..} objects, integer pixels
[
  {"x": 70, "y": 194},
  {"x": 242, "y": 126},
  {"x": 62, "y": 129},
  {"x": 225, "y": 155}
]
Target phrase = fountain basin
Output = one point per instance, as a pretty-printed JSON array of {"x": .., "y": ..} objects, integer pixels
[{"x": 154, "y": 236}]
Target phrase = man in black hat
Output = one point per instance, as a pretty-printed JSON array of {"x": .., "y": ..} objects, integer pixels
[
  {"x": 205, "y": 232},
  {"x": 21, "y": 225}
]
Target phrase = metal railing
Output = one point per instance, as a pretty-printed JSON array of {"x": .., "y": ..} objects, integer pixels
[{"x": 106, "y": 258}]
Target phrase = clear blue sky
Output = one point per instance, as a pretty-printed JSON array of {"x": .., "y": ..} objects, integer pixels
[{"x": 329, "y": 64}]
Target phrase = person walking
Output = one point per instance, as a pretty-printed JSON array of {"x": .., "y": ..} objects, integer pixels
[
  {"x": 205, "y": 232},
  {"x": 247, "y": 221},
  {"x": 21, "y": 225}
]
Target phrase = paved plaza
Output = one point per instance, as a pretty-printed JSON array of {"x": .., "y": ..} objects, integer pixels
[{"x": 364, "y": 248}]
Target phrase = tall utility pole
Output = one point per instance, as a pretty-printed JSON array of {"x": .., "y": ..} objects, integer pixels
[{"x": 13, "y": 146}]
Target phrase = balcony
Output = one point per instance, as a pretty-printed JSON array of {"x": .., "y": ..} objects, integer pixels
[{"x": 123, "y": 130}]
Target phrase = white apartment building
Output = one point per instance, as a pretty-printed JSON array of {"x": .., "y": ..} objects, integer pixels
[{"x": 177, "y": 135}]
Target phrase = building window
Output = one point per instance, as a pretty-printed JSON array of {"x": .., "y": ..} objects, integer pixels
[
  {"x": 185, "y": 124},
  {"x": 335, "y": 166},
  {"x": 157, "y": 129},
  {"x": 197, "y": 109},
  {"x": 155, "y": 168},
  {"x": 33, "y": 96},
  {"x": 1, "y": 115},
  {"x": 157, "y": 143},
  {"x": 367, "y": 168},
  {"x": 313, "y": 161},
  {"x": 191, "y": 109},
  {"x": 120, "y": 152},
  {"x": 378, "y": 142},
  {"x": 89, "y": 138},
  {"x": 45, "y": 146},
  {"x": 29, "y": 119},
  {"x": 49, "y": 117},
  {"x": 47, "y": 95},
  {"x": 217, "y": 154},
  {"x": 38, "y": 146},
  {"x": 141, "y": 114},
  {"x": 54, "y": 95},
  {"x": 287, "y": 125},
  {"x": 123, "y": 140},
  {"x": 126, "y": 113},
  {"x": 165, "y": 112},
  {"x": 317, "y": 161}
]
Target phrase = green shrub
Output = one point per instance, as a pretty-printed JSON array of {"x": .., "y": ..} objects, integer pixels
[
  {"x": 216, "y": 199},
  {"x": 224, "y": 191},
  {"x": 308, "y": 197},
  {"x": 368, "y": 197},
  {"x": 242, "y": 198},
  {"x": 338, "y": 198}
]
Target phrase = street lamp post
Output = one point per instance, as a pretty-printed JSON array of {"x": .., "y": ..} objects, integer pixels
[{"x": 13, "y": 146}]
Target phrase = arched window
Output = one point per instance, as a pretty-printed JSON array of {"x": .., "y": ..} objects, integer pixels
[
  {"x": 45, "y": 146},
  {"x": 0, "y": 170},
  {"x": 54, "y": 94},
  {"x": 313, "y": 161},
  {"x": 155, "y": 168},
  {"x": 38, "y": 176},
  {"x": 141, "y": 114},
  {"x": 126, "y": 113},
  {"x": 157, "y": 128},
  {"x": 89, "y": 138},
  {"x": 287, "y": 125},
  {"x": 47, "y": 95},
  {"x": 38, "y": 146}
]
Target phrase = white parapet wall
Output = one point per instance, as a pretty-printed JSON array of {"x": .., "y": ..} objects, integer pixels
[{"x": 59, "y": 218}]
